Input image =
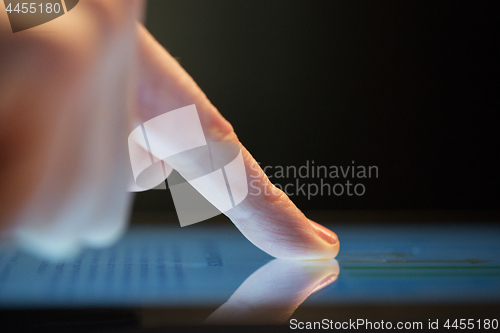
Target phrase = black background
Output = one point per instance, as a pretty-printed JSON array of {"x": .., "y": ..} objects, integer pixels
[{"x": 411, "y": 87}]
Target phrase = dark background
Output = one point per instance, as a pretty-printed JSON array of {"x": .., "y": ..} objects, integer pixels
[{"x": 411, "y": 87}]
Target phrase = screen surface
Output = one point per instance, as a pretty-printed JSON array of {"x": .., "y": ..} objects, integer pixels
[{"x": 200, "y": 266}]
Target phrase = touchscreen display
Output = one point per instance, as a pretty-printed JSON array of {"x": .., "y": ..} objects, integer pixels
[{"x": 203, "y": 266}]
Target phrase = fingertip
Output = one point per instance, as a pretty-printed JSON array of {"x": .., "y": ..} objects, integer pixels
[
  {"x": 326, "y": 234},
  {"x": 325, "y": 246},
  {"x": 53, "y": 249},
  {"x": 322, "y": 252}
]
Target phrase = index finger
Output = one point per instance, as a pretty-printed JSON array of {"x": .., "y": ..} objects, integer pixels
[{"x": 269, "y": 220}]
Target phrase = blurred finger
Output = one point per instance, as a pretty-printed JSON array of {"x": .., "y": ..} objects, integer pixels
[{"x": 66, "y": 102}]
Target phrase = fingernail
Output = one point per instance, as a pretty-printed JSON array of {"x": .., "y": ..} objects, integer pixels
[
  {"x": 326, "y": 234},
  {"x": 323, "y": 283}
]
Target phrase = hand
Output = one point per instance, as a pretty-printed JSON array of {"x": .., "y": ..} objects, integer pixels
[{"x": 70, "y": 93}]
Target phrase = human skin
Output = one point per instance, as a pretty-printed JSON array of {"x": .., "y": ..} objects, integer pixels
[{"x": 71, "y": 91}]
